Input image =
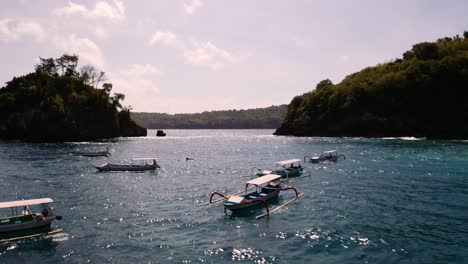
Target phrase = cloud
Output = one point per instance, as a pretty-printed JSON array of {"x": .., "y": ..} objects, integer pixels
[
  {"x": 100, "y": 32},
  {"x": 136, "y": 81},
  {"x": 165, "y": 38},
  {"x": 191, "y": 7},
  {"x": 15, "y": 29},
  {"x": 208, "y": 55},
  {"x": 344, "y": 58},
  {"x": 85, "y": 48},
  {"x": 141, "y": 70},
  {"x": 113, "y": 11}
]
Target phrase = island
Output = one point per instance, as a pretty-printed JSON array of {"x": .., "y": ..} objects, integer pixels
[
  {"x": 59, "y": 102},
  {"x": 422, "y": 94},
  {"x": 258, "y": 118}
]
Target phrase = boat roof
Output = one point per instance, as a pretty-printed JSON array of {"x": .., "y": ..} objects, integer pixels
[
  {"x": 329, "y": 151},
  {"x": 25, "y": 202},
  {"x": 287, "y": 162},
  {"x": 264, "y": 179}
]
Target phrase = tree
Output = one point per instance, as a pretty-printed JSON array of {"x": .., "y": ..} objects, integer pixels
[
  {"x": 324, "y": 83},
  {"x": 116, "y": 100},
  {"x": 67, "y": 64},
  {"x": 46, "y": 66},
  {"x": 465, "y": 34},
  {"x": 90, "y": 75},
  {"x": 107, "y": 87},
  {"x": 425, "y": 50}
]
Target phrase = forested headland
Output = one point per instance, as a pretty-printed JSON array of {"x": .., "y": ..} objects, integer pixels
[
  {"x": 269, "y": 117},
  {"x": 59, "y": 102},
  {"x": 423, "y": 94}
]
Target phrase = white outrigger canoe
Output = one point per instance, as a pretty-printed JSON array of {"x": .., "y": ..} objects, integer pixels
[
  {"x": 330, "y": 155},
  {"x": 108, "y": 167},
  {"x": 285, "y": 168},
  {"x": 266, "y": 188},
  {"x": 26, "y": 219}
]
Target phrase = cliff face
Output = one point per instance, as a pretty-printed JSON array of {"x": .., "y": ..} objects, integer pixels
[
  {"x": 56, "y": 103},
  {"x": 128, "y": 127},
  {"x": 425, "y": 94}
]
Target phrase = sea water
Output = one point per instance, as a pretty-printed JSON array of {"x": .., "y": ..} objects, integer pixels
[{"x": 391, "y": 201}]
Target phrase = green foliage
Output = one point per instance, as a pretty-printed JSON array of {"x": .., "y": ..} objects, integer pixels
[
  {"x": 269, "y": 117},
  {"x": 57, "y": 103},
  {"x": 323, "y": 84},
  {"x": 425, "y": 94}
]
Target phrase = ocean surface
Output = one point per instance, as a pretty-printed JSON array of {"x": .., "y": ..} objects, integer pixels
[{"x": 393, "y": 200}]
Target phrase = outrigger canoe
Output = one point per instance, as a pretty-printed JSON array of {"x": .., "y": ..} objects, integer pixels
[
  {"x": 285, "y": 168},
  {"x": 266, "y": 188},
  {"x": 108, "y": 167},
  {"x": 330, "y": 155},
  {"x": 26, "y": 219}
]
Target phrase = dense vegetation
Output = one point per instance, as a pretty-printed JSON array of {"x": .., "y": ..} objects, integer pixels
[
  {"x": 57, "y": 102},
  {"x": 424, "y": 94},
  {"x": 269, "y": 117}
]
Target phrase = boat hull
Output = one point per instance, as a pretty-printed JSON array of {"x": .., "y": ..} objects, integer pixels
[
  {"x": 83, "y": 154},
  {"x": 106, "y": 169},
  {"x": 131, "y": 168},
  {"x": 251, "y": 202},
  {"x": 39, "y": 222},
  {"x": 284, "y": 173}
]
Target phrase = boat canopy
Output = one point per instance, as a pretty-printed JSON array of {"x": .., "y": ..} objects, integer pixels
[
  {"x": 287, "y": 162},
  {"x": 330, "y": 151},
  {"x": 25, "y": 202},
  {"x": 264, "y": 179}
]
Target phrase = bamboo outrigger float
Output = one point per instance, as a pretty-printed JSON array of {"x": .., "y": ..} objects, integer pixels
[
  {"x": 26, "y": 219},
  {"x": 285, "y": 168},
  {"x": 108, "y": 167},
  {"x": 267, "y": 187}
]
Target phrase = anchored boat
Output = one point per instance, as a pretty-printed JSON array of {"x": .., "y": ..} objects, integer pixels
[
  {"x": 285, "y": 168},
  {"x": 108, "y": 167},
  {"x": 25, "y": 218},
  {"x": 331, "y": 155},
  {"x": 266, "y": 188},
  {"x": 105, "y": 153},
  {"x": 160, "y": 133}
]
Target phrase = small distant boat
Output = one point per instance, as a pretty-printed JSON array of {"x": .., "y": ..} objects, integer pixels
[
  {"x": 160, "y": 133},
  {"x": 27, "y": 219},
  {"x": 330, "y": 155},
  {"x": 108, "y": 167},
  {"x": 105, "y": 153},
  {"x": 266, "y": 188},
  {"x": 285, "y": 168}
]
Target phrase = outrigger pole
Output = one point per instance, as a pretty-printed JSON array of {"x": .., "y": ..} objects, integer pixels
[
  {"x": 224, "y": 197},
  {"x": 31, "y": 236},
  {"x": 298, "y": 195}
]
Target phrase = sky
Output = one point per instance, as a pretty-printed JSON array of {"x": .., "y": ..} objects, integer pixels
[{"x": 187, "y": 56}]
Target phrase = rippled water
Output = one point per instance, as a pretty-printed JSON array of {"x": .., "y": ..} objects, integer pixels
[{"x": 391, "y": 201}]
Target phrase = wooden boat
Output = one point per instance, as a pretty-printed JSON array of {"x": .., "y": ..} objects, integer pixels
[
  {"x": 108, "y": 167},
  {"x": 105, "y": 153},
  {"x": 331, "y": 156},
  {"x": 26, "y": 219},
  {"x": 266, "y": 188},
  {"x": 285, "y": 168},
  {"x": 160, "y": 133}
]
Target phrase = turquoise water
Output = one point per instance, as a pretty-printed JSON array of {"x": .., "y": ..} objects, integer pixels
[{"x": 390, "y": 201}]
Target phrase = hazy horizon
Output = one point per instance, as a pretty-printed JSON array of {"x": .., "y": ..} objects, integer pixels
[{"x": 191, "y": 56}]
